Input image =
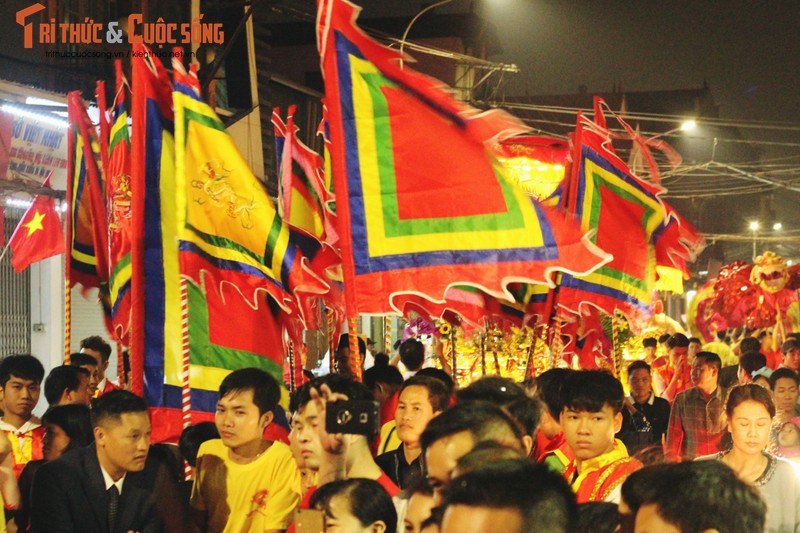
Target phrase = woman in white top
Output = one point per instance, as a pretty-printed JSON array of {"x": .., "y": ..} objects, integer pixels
[{"x": 750, "y": 410}]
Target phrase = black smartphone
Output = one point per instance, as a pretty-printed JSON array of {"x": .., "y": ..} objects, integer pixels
[{"x": 355, "y": 417}]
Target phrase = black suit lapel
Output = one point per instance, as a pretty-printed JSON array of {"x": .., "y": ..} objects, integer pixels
[{"x": 95, "y": 486}]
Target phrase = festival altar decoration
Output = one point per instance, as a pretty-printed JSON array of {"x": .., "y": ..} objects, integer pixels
[{"x": 754, "y": 296}]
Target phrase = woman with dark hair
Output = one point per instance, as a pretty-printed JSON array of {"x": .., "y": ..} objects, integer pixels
[
  {"x": 750, "y": 410},
  {"x": 66, "y": 427},
  {"x": 355, "y": 505}
]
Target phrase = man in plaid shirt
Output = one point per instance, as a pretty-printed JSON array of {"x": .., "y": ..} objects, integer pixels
[{"x": 697, "y": 422}]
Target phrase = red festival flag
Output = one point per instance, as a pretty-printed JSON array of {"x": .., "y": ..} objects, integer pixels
[
  {"x": 39, "y": 234},
  {"x": 422, "y": 203}
]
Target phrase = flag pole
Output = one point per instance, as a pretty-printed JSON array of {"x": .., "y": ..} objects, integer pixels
[{"x": 3, "y": 254}]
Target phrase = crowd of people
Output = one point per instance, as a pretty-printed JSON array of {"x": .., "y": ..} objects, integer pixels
[{"x": 689, "y": 449}]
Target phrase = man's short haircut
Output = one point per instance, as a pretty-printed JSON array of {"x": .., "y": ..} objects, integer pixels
[
  {"x": 344, "y": 342},
  {"x": 527, "y": 412},
  {"x": 638, "y": 365},
  {"x": 722, "y": 335},
  {"x": 61, "y": 378},
  {"x": 710, "y": 358},
  {"x": 387, "y": 374},
  {"x": 695, "y": 340},
  {"x": 21, "y": 366},
  {"x": 438, "y": 395},
  {"x": 112, "y": 405},
  {"x": 662, "y": 339},
  {"x": 710, "y": 497},
  {"x": 543, "y": 498},
  {"x": 749, "y": 344},
  {"x": 482, "y": 420},
  {"x": 783, "y": 373},
  {"x": 193, "y": 436},
  {"x": 266, "y": 393},
  {"x": 99, "y": 345},
  {"x": 597, "y": 517},
  {"x": 397, "y": 344},
  {"x": 790, "y": 345},
  {"x": 752, "y": 361},
  {"x": 650, "y": 342},
  {"x": 412, "y": 354},
  {"x": 486, "y": 452},
  {"x": 678, "y": 340},
  {"x": 82, "y": 359},
  {"x": 591, "y": 390},
  {"x": 549, "y": 389},
  {"x": 441, "y": 375},
  {"x": 493, "y": 389},
  {"x": 352, "y": 389},
  {"x": 749, "y": 392}
]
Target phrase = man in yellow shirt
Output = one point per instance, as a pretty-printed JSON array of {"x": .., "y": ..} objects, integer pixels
[{"x": 244, "y": 483}]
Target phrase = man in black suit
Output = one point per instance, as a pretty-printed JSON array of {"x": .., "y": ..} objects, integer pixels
[{"x": 109, "y": 486}]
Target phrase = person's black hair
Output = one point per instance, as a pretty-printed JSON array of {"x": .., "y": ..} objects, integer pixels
[
  {"x": 695, "y": 340},
  {"x": 344, "y": 342},
  {"x": 82, "y": 359},
  {"x": 112, "y": 405},
  {"x": 168, "y": 455},
  {"x": 381, "y": 359},
  {"x": 367, "y": 500},
  {"x": 493, "y": 389},
  {"x": 483, "y": 453},
  {"x": 789, "y": 345},
  {"x": 353, "y": 389},
  {"x": 75, "y": 420},
  {"x": 783, "y": 373},
  {"x": 752, "y": 361},
  {"x": 591, "y": 390},
  {"x": 711, "y": 496},
  {"x": 749, "y": 392},
  {"x": 266, "y": 392},
  {"x": 484, "y": 421},
  {"x": 386, "y": 374},
  {"x": 99, "y": 345},
  {"x": 438, "y": 395},
  {"x": 21, "y": 366},
  {"x": 441, "y": 375},
  {"x": 527, "y": 412},
  {"x": 710, "y": 358},
  {"x": 639, "y": 487},
  {"x": 750, "y": 344},
  {"x": 62, "y": 378},
  {"x": 193, "y": 436},
  {"x": 549, "y": 386},
  {"x": 543, "y": 498},
  {"x": 678, "y": 340},
  {"x": 412, "y": 354},
  {"x": 650, "y": 342},
  {"x": 722, "y": 335},
  {"x": 662, "y": 339},
  {"x": 397, "y": 344},
  {"x": 597, "y": 517},
  {"x": 638, "y": 365}
]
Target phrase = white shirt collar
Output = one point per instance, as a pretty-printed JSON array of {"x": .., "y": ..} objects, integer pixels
[
  {"x": 31, "y": 424},
  {"x": 102, "y": 385},
  {"x": 650, "y": 400},
  {"x": 109, "y": 481}
]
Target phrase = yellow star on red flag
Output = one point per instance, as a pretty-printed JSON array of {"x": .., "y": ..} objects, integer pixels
[{"x": 36, "y": 223}]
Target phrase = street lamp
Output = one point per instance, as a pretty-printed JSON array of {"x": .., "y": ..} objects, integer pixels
[
  {"x": 754, "y": 225},
  {"x": 777, "y": 226},
  {"x": 413, "y": 20}
]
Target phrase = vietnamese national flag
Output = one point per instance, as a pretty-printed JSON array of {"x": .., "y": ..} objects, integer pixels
[{"x": 39, "y": 234}]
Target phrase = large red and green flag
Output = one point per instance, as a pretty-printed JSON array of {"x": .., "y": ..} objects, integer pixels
[
  {"x": 38, "y": 235},
  {"x": 118, "y": 196},
  {"x": 627, "y": 218},
  {"x": 254, "y": 273},
  {"x": 301, "y": 191},
  {"x": 156, "y": 330},
  {"x": 86, "y": 226},
  {"x": 422, "y": 203}
]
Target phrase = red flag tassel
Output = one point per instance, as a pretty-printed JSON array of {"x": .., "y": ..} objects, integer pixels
[
  {"x": 67, "y": 316},
  {"x": 186, "y": 391},
  {"x": 355, "y": 354},
  {"x": 292, "y": 366}
]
